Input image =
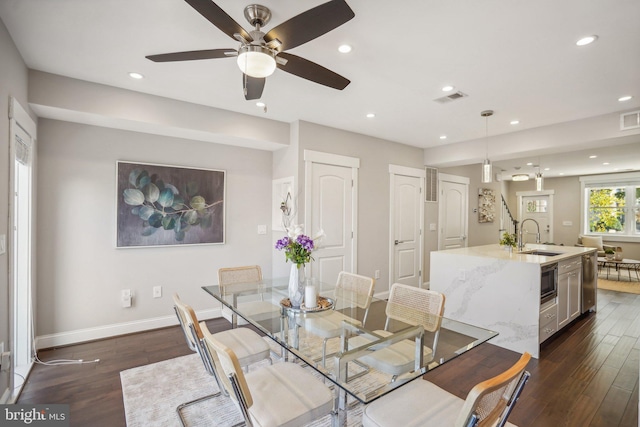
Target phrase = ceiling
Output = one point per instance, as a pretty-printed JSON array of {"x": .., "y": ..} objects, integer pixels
[{"x": 518, "y": 58}]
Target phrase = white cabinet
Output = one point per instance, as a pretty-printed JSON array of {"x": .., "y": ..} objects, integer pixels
[{"x": 569, "y": 285}]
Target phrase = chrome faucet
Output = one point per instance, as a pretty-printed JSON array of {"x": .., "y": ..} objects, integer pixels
[{"x": 521, "y": 231}]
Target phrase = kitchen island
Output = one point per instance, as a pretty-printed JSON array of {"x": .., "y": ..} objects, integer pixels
[{"x": 491, "y": 287}]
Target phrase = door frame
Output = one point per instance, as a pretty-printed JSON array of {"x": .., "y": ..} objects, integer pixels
[
  {"x": 311, "y": 157},
  {"x": 20, "y": 119},
  {"x": 457, "y": 180},
  {"x": 415, "y": 173}
]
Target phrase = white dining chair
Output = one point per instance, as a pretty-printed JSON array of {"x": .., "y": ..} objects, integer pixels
[
  {"x": 422, "y": 403},
  {"x": 352, "y": 290},
  {"x": 249, "y": 346},
  {"x": 279, "y": 395},
  {"x": 413, "y": 306},
  {"x": 229, "y": 276}
]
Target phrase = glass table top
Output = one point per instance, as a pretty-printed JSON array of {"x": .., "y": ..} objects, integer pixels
[{"x": 356, "y": 338}]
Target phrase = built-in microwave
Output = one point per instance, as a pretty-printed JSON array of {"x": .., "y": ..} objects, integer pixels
[{"x": 548, "y": 282}]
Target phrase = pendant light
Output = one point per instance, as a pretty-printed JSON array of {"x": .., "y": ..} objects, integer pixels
[
  {"x": 539, "y": 180},
  {"x": 486, "y": 164}
]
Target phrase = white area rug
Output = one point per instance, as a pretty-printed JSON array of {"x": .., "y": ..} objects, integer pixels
[{"x": 152, "y": 392}]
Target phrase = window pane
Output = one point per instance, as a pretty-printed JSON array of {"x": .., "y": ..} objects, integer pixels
[
  {"x": 606, "y": 210},
  {"x": 607, "y": 220}
]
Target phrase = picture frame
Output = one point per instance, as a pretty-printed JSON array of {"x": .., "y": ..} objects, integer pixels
[{"x": 164, "y": 205}]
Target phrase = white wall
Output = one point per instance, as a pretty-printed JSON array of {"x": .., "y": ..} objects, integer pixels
[{"x": 81, "y": 273}]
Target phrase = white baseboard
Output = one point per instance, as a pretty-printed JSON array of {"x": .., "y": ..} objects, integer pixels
[
  {"x": 107, "y": 331},
  {"x": 382, "y": 295}
]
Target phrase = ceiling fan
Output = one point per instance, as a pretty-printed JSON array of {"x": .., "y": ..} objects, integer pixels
[{"x": 260, "y": 53}]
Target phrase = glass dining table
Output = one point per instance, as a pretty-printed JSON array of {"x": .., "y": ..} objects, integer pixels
[{"x": 361, "y": 336}]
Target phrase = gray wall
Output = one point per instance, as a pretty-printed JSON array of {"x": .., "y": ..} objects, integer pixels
[
  {"x": 373, "y": 178},
  {"x": 13, "y": 82},
  {"x": 81, "y": 272}
]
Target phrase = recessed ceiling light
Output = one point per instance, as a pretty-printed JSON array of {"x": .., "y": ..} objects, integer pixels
[
  {"x": 260, "y": 104},
  {"x": 520, "y": 177},
  {"x": 593, "y": 156},
  {"x": 135, "y": 75},
  {"x": 587, "y": 40},
  {"x": 443, "y": 136},
  {"x": 547, "y": 169},
  {"x": 605, "y": 164},
  {"x": 370, "y": 115},
  {"x": 447, "y": 88},
  {"x": 625, "y": 98},
  {"x": 515, "y": 122},
  {"x": 561, "y": 173},
  {"x": 529, "y": 164},
  {"x": 344, "y": 48}
]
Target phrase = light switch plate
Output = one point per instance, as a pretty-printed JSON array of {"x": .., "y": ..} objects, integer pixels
[
  {"x": 3, "y": 243},
  {"x": 262, "y": 229}
]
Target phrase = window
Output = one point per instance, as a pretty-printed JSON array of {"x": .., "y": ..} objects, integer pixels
[{"x": 611, "y": 206}]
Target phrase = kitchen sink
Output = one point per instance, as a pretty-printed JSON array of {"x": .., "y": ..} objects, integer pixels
[{"x": 541, "y": 253}]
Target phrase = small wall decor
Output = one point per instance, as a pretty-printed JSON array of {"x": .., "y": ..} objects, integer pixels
[
  {"x": 160, "y": 205},
  {"x": 283, "y": 203},
  {"x": 486, "y": 205}
]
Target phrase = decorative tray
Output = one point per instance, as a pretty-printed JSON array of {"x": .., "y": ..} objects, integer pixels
[{"x": 324, "y": 303}]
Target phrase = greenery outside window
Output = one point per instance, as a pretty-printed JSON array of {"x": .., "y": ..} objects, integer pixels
[{"x": 611, "y": 206}]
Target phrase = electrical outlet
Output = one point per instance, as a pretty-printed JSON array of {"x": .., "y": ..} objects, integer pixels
[{"x": 157, "y": 291}]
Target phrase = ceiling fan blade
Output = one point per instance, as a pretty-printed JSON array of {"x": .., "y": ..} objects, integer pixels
[
  {"x": 253, "y": 87},
  {"x": 311, "y": 24},
  {"x": 219, "y": 18},
  {"x": 311, "y": 71},
  {"x": 192, "y": 55}
]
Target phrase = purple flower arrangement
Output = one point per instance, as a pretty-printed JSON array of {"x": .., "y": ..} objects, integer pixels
[{"x": 296, "y": 250}]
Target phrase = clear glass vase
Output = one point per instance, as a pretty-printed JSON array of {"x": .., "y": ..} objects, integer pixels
[{"x": 296, "y": 285}]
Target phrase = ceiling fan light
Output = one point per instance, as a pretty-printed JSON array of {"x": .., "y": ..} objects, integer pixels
[{"x": 256, "y": 61}]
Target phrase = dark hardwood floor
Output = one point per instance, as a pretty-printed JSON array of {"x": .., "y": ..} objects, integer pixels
[{"x": 588, "y": 376}]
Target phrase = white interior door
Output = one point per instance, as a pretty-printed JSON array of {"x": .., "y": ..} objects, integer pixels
[
  {"x": 453, "y": 214},
  {"x": 539, "y": 207},
  {"x": 407, "y": 217},
  {"x": 330, "y": 207}
]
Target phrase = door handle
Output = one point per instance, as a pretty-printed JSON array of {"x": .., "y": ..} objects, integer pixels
[{"x": 395, "y": 242}]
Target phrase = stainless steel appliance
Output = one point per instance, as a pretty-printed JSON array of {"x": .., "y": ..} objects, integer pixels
[
  {"x": 589, "y": 282},
  {"x": 548, "y": 282}
]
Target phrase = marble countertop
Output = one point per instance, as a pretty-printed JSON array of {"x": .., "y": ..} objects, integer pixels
[{"x": 498, "y": 252}]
